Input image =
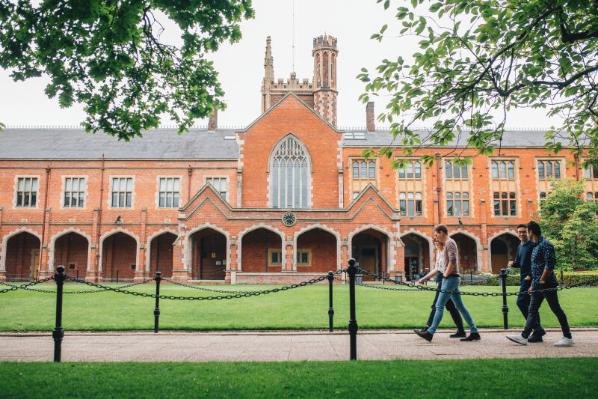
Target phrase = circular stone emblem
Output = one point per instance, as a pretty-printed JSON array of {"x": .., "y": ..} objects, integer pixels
[{"x": 289, "y": 219}]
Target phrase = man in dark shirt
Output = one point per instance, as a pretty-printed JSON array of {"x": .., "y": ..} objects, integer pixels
[
  {"x": 544, "y": 286},
  {"x": 523, "y": 261}
]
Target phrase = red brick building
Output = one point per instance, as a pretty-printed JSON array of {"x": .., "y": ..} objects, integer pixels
[{"x": 287, "y": 197}]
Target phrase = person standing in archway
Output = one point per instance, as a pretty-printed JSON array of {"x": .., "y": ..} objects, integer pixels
[
  {"x": 523, "y": 262},
  {"x": 450, "y": 305},
  {"x": 449, "y": 288}
]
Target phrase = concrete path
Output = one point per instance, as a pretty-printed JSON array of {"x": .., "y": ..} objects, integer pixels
[{"x": 281, "y": 346}]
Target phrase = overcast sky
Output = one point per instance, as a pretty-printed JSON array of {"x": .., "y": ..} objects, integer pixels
[{"x": 241, "y": 65}]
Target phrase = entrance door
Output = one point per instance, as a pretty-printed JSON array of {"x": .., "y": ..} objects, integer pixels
[
  {"x": 411, "y": 267},
  {"x": 213, "y": 258},
  {"x": 368, "y": 260}
]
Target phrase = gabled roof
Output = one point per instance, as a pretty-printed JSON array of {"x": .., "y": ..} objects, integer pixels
[
  {"x": 276, "y": 104},
  {"x": 157, "y": 144}
]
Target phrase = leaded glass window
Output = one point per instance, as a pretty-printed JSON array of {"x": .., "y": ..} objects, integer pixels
[{"x": 290, "y": 175}]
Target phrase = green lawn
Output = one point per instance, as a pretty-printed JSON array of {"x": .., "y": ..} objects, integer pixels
[
  {"x": 515, "y": 378},
  {"x": 302, "y": 308}
]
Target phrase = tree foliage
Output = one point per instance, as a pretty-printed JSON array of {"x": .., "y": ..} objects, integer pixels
[
  {"x": 479, "y": 59},
  {"x": 109, "y": 56},
  {"x": 570, "y": 223}
]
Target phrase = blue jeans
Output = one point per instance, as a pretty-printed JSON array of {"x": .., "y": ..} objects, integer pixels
[{"x": 450, "y": 288}]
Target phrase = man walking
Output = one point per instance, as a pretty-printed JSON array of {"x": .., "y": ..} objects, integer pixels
[
  {"x": 544, "y": 286},
  {"x": 449, "y": 288},
  {"x": 450, "y": 306},
  {"x": 523, "y": 261}
]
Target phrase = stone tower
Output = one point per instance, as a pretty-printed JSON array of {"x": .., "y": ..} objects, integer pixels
[
  {"x": 324, "y": 81},
  {"x": 320, "y": 94},
  {"x": 273, "y": 90}
]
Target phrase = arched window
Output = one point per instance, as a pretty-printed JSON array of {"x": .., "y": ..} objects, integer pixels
[{"x": 290, "y": 175}]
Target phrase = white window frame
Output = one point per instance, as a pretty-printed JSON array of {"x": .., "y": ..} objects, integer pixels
[
  {"x": 158, "y": 178},
  {"x": 110, "y": 181},
  {"x": 85, "y": 194},
  {"x": 16, "y": 186}
]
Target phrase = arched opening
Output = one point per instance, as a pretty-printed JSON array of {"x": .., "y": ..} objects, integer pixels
[
  {"x": 119, "y": 257},
  {"x": 502, "y": 249},
  {"x": 71, "y": 251},
  {"x": 370, "y": 249},
  {"x": 417, "y": 255},
  {"x": 261, "y": 251},
  {"x": 468, "y": 252},
  {"x": 22, "y": 256},
  {"x": 316, "y": 251},
  {"x": 208, "y": 255},
  {"x": 161, "y": 254}
]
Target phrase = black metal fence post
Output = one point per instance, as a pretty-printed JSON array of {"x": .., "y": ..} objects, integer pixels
[
  {"x": 352, "y": 270},
  {"x": 505, "y": 307},
  {"x": 58, "y": 332},
  {"x": 330, "y": 278},
  {"x": 158, "y": 278}
]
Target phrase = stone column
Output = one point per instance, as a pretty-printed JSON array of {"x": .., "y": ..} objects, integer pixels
[{"x": 140, "y": 272}]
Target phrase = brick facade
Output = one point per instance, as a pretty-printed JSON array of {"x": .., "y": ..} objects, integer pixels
[{"x": 236, "y": 235}]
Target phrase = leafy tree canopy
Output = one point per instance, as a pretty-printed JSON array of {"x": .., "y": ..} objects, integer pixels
[
  {"x": 479, "y": 59},
  {"x": 570, "y": 223},
  {"x": 108, "y": 55}
]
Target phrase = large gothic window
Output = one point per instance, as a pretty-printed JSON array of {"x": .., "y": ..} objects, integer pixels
[{"x": 290, "y": 175}]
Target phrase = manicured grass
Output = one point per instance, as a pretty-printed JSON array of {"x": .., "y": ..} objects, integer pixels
[
  {"x": 522, "y": 378},
  {"x": 302, "y": 308}
]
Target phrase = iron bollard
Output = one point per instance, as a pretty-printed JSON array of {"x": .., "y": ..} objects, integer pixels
[
  {"x": 330, "y": 278},
  {"x": 58, "y": 332},
  {"x": 352, "y": 270},
  {"x": 117, "y": 276},
  {"x": 505, "y": 307},
  {"x": 158, "y": 278}
]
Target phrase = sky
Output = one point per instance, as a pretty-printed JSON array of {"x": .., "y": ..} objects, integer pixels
[{"x": 241, "y": 65}]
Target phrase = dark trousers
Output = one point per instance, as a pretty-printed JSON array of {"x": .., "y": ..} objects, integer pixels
[
  {"x": 450, "y": 306},
  {"x": 533, "y": 318},
  {"x": 523, "y": 301}
]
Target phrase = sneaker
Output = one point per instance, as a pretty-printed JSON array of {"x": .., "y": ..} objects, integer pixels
[
  {"x": 564, "y": 342},
  {"x": 472, "y": 337},
  {"x": 535, "y": 338},
  {"x": 425, "y": 335},
  {"x": 518, "y": 339},
  {"x": 458, "y": 334}
]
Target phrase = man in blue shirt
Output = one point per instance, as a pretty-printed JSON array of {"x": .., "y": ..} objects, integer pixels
[
  {"x": 523, "y": 261},
  {"x": 544, "y": 286}
]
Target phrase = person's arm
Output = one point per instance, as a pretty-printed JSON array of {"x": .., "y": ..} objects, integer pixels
[
  {"x": 451, "y": 249},
  {"x": 549, "y": 262},
  {"x": 428, "y": 276},
  {"x": 516, "y": 263}
]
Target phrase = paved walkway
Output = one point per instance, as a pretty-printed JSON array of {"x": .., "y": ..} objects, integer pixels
[{"x": 281, "y": 346}]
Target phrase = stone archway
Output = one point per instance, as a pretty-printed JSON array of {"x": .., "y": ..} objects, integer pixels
[
  {"x": 262, "y": 251},
  {"x": 119, "y": 256},
  {"x": 417, "y": 255},
  {"x": 208, "y": 254},
  {"x": 316, "y": 251},
  {"x": 71, "y": 250},
  {"x": 21, "y": 260},
  {"x": 503, "y": 248},
  {"x": 160, "y": 254},
  {"x": 369, "y": 247},
  {"x": 468, "y": 252}
]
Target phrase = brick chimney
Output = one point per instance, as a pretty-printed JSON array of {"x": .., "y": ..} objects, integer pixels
[
  {"x": 213, "y": 121},
  {"x": 370, "y": 117}
]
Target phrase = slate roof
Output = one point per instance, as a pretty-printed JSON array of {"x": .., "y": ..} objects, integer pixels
[
  {"x": 511, "y": 138},
  {"x": 55, "y": 143},
  {"x": 166, "y": 144}
]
